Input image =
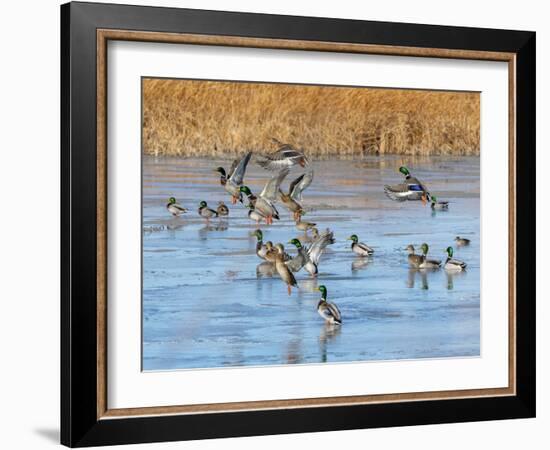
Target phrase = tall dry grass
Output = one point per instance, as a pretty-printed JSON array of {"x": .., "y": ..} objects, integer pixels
[{"x": 219, "y": 119}]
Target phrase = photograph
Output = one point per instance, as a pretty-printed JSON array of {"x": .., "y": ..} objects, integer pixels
[{"x": 288, "y": 224}]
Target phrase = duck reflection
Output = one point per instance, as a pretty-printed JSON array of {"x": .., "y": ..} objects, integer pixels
[
  {"x": 422, "y": 274},
  {"x": 360, "y": 263},
  {"x": 172, "y": 228},
  {"x": 329, "y": 332},
  {"x": 210, "y": 227},
  {"x": 451, "y": 276},
  {"x": 265, "y": 270}
]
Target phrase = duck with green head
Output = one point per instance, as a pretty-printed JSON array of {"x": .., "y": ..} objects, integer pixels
[
  {"x": 410, "y": 189},
  {"x": 206, "y": 212},
  {"x": 328, "y": 311},
  {"x": 174, "y": 208},
  {"x": 232, "y": 180},
  {"x": 428, "y": 263},
  {"x": 451, "y": 264},
  {"x": 438, "y": 205},
  {"x": 358, "y": 247}
]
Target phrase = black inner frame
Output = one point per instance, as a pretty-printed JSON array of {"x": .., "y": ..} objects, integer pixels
[{"x": 79, "y": 423}]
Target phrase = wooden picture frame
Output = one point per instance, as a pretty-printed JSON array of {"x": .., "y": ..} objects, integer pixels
[{"x": 85, "y": 416}]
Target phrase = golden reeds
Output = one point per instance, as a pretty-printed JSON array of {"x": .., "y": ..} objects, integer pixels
[{"x": 219, "y": 119}]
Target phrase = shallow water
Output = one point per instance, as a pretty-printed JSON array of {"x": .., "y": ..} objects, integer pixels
[{"x": 206, "y": 304}]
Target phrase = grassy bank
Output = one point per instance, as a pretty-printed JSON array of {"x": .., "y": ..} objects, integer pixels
[{"x": 220, "y": 119}]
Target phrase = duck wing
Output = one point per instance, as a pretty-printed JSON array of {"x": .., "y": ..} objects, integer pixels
[
  {"x": 456, "y": 262},
  {"x": 233, "y": 167},
  {"x": 300, "y": 184},
  {"x": 238, "y": 169},
  {"x": 335, "y": 312},
  {"x": 286, "y": 151},
  {"x": 316, "y": 249},
  {"x": 430, "y": 264},
  {"x": 296, "y": 263},
  {"x": 179, "y": 207},
  {"x": 397, "y": 192},
  {"x": 272, "y": 187},
  {"x": 365, "y": 247}
]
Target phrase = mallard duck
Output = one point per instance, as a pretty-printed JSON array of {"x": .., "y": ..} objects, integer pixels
[
  {"x": 254, "y": 215},
  {"x": 284, "y": 157},
  {"x": 222, "y": 209},
  {"x": 414, "y": 259},
  {"x": 294, "y": 196},
  {"x": 283, "y": 270},
  {"x": 452, "y": 264},
  {"x": 302, "y": 225},
  {"x": 410, "y": 189},
  {"x": 328, "y": 311},
  {"x": 264, "y": 202},
  {"x": 206, "y": 212},
  {"x": 234, "y": 179},
  {"x": 358, "y": 247},
  {"x": 461, "y": 242},
  {"x": 308, "y": 257},
  {"x": 174, "y": 208},
  {"x": 428, "y": 263},
  {"x": 438, "y": 204}
]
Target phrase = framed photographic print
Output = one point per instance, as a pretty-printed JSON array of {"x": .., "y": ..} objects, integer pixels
[{"x": 277, "y": 224}]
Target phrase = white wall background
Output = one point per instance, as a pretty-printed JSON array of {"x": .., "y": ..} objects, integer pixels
[{"x": 29, "y": 224}]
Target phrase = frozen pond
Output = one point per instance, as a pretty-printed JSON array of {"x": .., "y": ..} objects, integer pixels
[{"x": 204, "y": 304}]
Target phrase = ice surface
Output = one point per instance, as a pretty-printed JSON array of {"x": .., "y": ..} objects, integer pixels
[{"x": 206, "y": 305}]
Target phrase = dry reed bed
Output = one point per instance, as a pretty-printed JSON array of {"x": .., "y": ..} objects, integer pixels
[{"x": 219, "y": 119}]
